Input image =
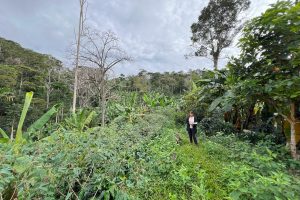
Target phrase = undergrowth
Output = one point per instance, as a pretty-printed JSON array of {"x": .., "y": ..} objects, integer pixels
[{"x": 141, "y": 160}]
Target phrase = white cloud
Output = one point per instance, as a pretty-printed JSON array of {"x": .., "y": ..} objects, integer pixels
[{"x": 156, "y": 33}]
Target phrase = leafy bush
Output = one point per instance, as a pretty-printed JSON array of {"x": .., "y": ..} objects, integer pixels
[
  {"x": 212, "y": 125},
  {"x": 114, "y": 162},
  {"x": 180, "y": 117},
  {"x": 253, "y": 172},
  {"x": 141, "y": 160}
]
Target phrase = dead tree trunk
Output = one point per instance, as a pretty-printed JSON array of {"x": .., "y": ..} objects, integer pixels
[
  {"x": 101, "y": 51},
  {"x": 103, "y": 104},
  {"x": 80, "y": 28}
]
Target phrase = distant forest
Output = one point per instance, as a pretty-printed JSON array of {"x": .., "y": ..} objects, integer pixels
[{"x": 23, "y": 70}]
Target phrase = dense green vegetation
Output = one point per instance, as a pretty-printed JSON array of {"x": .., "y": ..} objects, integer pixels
[
  {"x": 259, "y": 89},
  {"x": 248, "y": 115},
  {"x": 23, "y": 70},
  {"x": 142, "y": 160}
]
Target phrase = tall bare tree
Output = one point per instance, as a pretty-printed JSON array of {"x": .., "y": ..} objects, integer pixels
[
  {"x": 79, "y": 34},
  {"x": 101, "y": 51}
]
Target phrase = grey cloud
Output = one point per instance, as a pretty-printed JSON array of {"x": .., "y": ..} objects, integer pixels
[{"x": 156, "y": 33}]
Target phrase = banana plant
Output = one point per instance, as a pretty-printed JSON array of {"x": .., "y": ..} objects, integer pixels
[
  {"x": 28, "y": 98},
  {"x": 80, "y": 120},
  {"x": 38, "y": 124},
  {"x": 35, "y": 126},
  {"x": 150, "y": 101},
  {"x": 4, "y": 138},
  {"x": 154, "y": 100},
  {"x": 19, "y": 135}
]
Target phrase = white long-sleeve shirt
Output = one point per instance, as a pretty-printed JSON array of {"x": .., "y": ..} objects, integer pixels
[{"x": 191, "y": 121}]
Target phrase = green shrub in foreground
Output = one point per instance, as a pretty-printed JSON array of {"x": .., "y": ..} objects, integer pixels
[{"x": 141, "y": 160}]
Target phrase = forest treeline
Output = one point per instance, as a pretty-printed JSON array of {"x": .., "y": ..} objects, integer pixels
[{"x": 23, "y": 70}]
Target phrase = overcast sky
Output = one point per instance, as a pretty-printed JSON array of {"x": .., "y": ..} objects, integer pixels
[{"x": 156, "y": 33}]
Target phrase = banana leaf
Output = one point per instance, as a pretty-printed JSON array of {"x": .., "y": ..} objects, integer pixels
[
  {"x": 28, "y": 99},
  {"x": 38, "y": 124},
  {"x": 4, "y": 135},
  {"x": 5, "y": 138},
  {"x": 89, "y": 118},
  {"x": 215, "y": 103}
]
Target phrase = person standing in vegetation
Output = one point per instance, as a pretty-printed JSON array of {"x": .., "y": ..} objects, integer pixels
[{"x": 191, "y": 127}]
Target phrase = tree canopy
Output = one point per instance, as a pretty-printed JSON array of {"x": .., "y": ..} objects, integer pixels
[{"x": 217, "y": 25}]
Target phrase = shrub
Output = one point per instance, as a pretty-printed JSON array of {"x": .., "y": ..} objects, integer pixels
[
  {"x": 211, "y": 125},
  {"x": 112, "y": 162}
]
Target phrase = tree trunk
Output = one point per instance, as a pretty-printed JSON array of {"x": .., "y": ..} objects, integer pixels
[
  {"x": 62, "y": 114},
  {"x": 216, "y": 56},
  {"x": 48, "y": 86},
  {"x": 56, "y": 117},
  {"x": 249, "y": 117},
  {"x": 48, "y": 100},
  {"x": 21, "y": 84},
  {"x": 293, "y": 131},
  {"x": 293, "y": 141},
  {"x": 103, "y": 104},
  {"x": 12, "y": 130},
  {"x": 215, "y": 64},
  {"x": 80, "y": 27}
]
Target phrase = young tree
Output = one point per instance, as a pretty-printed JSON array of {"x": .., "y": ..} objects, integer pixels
[
  {"x": 101, "y": 52},
  {"x": 217, "y": 26},
  {"x": 79, "y": 34},
  {"x": 271, "y": 56}
]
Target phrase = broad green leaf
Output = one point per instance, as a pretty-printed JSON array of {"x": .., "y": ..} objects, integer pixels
[
  {"x": 89, "y": 118},
  {"x": 4, "y": 135},
  {"x": 204, "y": 81},
  {"x": 215, "y": 103},
  {"x": 28, "y": 99},
  {"x": 38, "y": 124},
  {"x": 194, "y": 86},
  {"x": 4, "y": 140}
]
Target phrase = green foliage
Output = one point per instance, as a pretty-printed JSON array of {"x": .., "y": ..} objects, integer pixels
[
  {"x": 38, "y": 124},
  {"x": 270, "y": 50},
  {"x": 141, "y": 160},
  {"x": 80, "y": 120},
  {"x": 217, "y": 26},
  {"x": 141, "y": 153},
  {"x": 155, "y": 99},
  {"x": 20, "y": 139},
  {"x": 168, "y": 83},
  {"x": 23, "y": 70},
  {"x": 116, "y": 161},
  {"x": 258, "y": 86},
  {"x": 128, "y": 107},
  {"x": 255, "y": 173},
  {"x": 212, "y": 125},
  {"x": 28, "y": 98},
  {"x": 5, "y": 137}
]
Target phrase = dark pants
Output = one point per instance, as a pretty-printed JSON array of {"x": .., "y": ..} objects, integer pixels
[{"x": 192, "y": 135}]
